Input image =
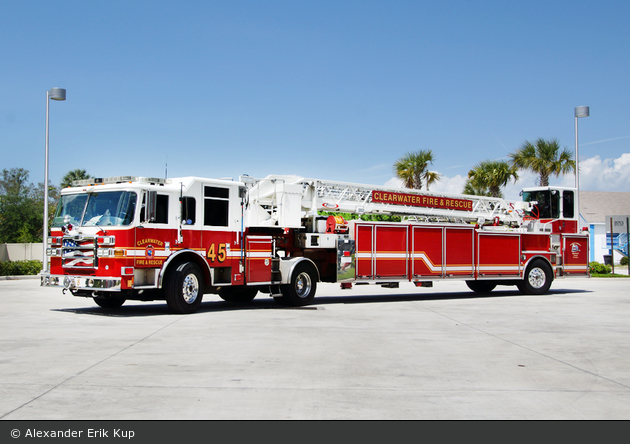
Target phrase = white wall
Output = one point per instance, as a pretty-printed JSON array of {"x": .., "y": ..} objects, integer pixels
[
  {"x": 21, "y": 252},
  {"x": 598, "y": 245}
]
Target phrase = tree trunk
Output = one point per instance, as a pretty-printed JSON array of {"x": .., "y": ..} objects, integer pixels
[{"x": 544, "y": 179}]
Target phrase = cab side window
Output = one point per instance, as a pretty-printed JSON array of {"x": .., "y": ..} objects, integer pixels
[
  {"x": 189, "y": 210},
  {"x": 161, "y": 209},
  {"x": 161, "y": 214},
  {"x": 216, "y": 206},
  {"x": 567, "y": 204}
]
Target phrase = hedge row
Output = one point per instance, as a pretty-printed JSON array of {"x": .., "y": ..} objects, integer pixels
[
  {"x": 597, "y": 268},
  {"x": 20, "y": 268}
]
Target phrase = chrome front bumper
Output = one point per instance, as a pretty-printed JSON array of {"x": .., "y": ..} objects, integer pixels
[{"x": 89, "y": 283}]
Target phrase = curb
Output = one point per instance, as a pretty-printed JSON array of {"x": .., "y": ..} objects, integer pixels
[{"x": 18, "y": 278}]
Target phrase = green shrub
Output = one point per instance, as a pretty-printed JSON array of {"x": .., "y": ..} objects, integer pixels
[
  {"x": 597, "y": 268},
  {"x": 624, "y": 260},
  {"x": 20, "y": 268}
]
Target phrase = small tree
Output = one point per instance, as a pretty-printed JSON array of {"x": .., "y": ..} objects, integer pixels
[{"x": 21, "y": 207}]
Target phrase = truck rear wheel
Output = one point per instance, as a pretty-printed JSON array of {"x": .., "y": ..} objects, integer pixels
[
  {"x": 184, "y": 289},
  {"x": 537, "y": 279},
  {"x": 238, "y": 294},
  {"x": 302, "y": 288}
]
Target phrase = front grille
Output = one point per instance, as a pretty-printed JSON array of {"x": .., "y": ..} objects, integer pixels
[{"x": 79, "y": 252}]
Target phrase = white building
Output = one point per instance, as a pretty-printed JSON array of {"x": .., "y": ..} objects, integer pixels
[{"x": 594, "y": 207}]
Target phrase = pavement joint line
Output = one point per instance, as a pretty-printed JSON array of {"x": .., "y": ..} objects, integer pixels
[
  {"x": 91, "y": 367},
  {"x": 529, "y": 349}
]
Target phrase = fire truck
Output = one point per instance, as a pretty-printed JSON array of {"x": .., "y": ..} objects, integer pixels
[{"x": 137, "y": 238}]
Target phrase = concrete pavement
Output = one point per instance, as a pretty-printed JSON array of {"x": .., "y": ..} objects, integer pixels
[{"x": 366, "y": 353}]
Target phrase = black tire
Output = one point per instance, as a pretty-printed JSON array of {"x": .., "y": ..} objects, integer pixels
[
  {"x": 537, "y": 279},
  {"x": 481, "y": 286},
  {"x": 280, "y": 300},
  {"x": 184, "y": 289},
  {"x": 239, "y": 294},
  {"x": 302, "y": 288},
  {"x": 109, "y": 302}
]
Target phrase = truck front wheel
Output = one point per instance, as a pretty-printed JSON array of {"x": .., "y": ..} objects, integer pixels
[
  {"x": 184, "y": 289},
  {"x": 481, "y": 286},
  {"x": 109, "y": 302},
  {"x": 302, "y": 288},
  {"x": 537, "y": 279}
]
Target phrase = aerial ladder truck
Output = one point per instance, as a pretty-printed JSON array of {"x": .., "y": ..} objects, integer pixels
[{"x": 177, "y": 239}]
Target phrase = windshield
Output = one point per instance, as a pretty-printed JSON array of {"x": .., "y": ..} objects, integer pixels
[
  {"x": 548, "y": 205},
  {"x": 96, "y": 209}
]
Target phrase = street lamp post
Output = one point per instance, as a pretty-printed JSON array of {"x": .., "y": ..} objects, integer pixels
[
  {"x": 580, "y": 111},
  {"x": 54, "y": 94}
]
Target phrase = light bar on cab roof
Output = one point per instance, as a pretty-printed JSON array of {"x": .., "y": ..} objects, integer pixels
[{"x": 119, "y": 179}]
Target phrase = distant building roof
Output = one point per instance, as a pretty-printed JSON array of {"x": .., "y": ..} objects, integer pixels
[{"x": 596, "y": 205}]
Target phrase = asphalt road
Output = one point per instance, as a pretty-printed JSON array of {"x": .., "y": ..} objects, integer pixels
[{"x": 361, "y": 354}]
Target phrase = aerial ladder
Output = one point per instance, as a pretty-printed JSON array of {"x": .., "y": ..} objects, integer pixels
[{"x": 284, "y": 199}]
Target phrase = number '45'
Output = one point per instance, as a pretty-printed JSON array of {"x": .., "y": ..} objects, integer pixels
[{"x": 217, "y": 253}]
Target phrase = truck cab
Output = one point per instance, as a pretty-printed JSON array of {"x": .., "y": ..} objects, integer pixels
[{"x": 553, "y": 207}]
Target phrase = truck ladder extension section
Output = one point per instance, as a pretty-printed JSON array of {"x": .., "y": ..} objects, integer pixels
[{"x": 326, "y": 195}]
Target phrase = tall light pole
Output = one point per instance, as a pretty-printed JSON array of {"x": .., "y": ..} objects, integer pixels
[
  {"x": 54, "y": 94},
  {"x": 580, "y": 111}
]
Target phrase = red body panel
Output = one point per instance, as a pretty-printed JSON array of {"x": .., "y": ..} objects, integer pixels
[
  {"x": 562, "y": 225},
  {"x": 416, "y": 252}
]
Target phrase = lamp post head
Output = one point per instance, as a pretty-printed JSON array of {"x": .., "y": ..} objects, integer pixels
[
  {"x": 58, "y": 94},
  {"x": 581, "y": 111}
]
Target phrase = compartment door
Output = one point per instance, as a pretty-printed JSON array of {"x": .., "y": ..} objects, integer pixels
[
  {"x": 498, "y": 255},
  {"x": 458, "y": 252},
  {"x": 364, "y": 258},
  {"x": 427, "y": 251},
  {"x": 391, "y": 251},
  {"x": 575, "y": 255},
  {"x": 258, "y": 259}
]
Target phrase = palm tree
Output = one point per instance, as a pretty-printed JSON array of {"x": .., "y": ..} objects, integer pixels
[
  {"x": 544, "y": 158},
  {"x": 73, "y": 175},
  {"x": 412, "y": 169},
  {"x": 490, "y": 176},
  {"x": 474, "y": 189}
]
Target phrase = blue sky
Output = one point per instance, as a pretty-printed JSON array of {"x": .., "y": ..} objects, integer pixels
[{"x": 325, "y": 89}]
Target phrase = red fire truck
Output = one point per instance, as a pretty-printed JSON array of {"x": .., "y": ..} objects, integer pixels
[{"x": 136, "y": 238}]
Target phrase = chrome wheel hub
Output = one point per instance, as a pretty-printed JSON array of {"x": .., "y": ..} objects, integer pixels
[
  {"x": 190, "y": 289},
  {"x": 303, "y": 285},
  {"x": 536, "y": 278}
]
